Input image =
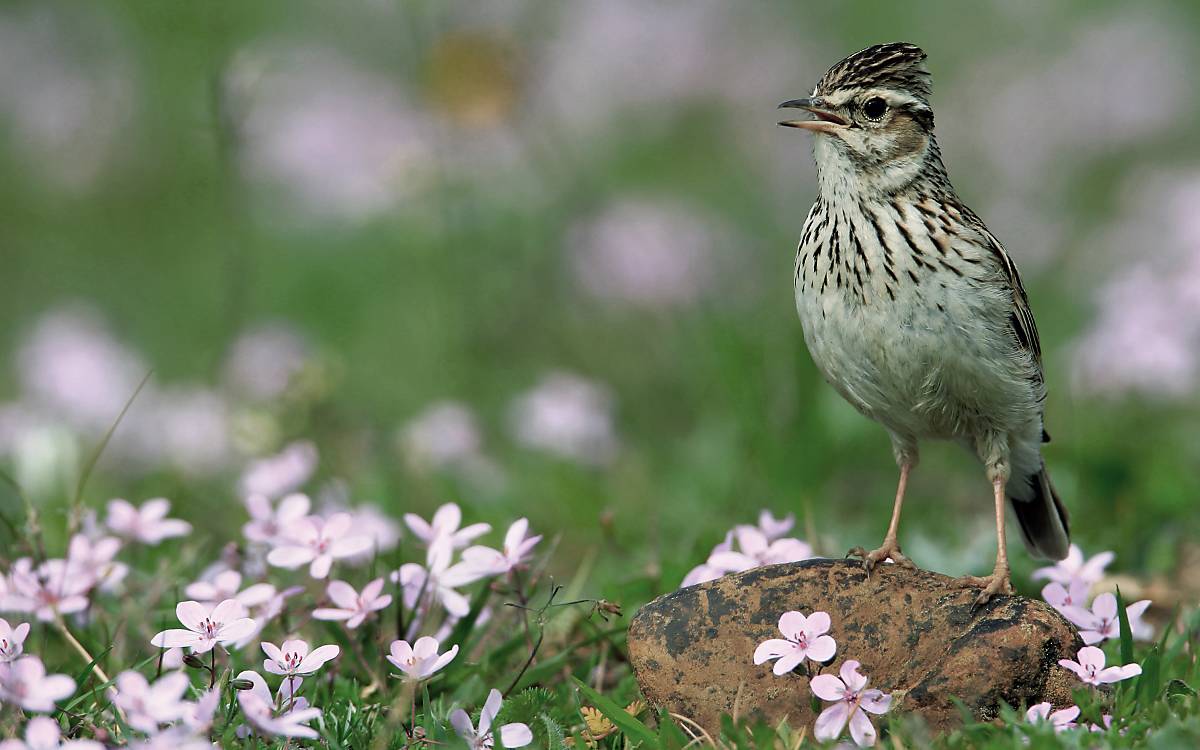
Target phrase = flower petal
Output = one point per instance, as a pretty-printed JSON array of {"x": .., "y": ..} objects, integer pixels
[
  {"x": 459, "y": 719},
  {"x": 793, "y": 625},
  {"x": 227, "y": 611},
  {"x": 851, "y": 676},
  {"x": 515, "y": 735},
  {"x": 1105, "y": 606},
  {"x": 491, "y": 707},
  {"x": 822, "y": 648},
  {"x": 818, "y": 623},
  {"x": 827, "y": 687},
  {"x": 290, "y": 556},
  {"x": 318, "y": 657},
  {"x": 772, "y": 649},
  {"x": 191, "y": 614},
  {"x": 861, "y": 730},
  {"x": 174, "y": 638},
  {"x": 788, "y": 662},
  {"x": 831, "y": 721},
  {"x": 875, "y": 701},
  {"x": 343, "y": 594}
]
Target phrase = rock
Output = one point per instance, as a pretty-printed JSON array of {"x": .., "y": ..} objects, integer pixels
[{"x": 916, "y": 634}]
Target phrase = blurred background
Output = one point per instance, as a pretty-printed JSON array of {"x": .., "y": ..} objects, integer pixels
[{"x": 535, "y": 257}]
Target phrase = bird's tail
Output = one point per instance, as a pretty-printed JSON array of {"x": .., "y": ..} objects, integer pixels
[{"x": 1041, "y": 515}]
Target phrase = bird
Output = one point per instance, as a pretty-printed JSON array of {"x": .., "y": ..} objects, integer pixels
[{"x": 911, "y": 308}]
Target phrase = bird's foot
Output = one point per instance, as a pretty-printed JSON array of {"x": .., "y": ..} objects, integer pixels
[
  {"x": 890, "y": 549},
  {"x": 999, "y": 582}
]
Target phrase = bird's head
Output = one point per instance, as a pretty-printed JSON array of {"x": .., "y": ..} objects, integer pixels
[{"x": 871, "y": 117}]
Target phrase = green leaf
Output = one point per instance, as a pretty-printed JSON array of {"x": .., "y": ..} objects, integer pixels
[
  {"x": 1126, "y": 632},
  {"x": 634, "y": 729},
  {"x": 555, "y": 738},
  {"x": 1179, "y": 687},
  {"x": 1150, "y": 680},
  {"x": 670, "y": 736}
]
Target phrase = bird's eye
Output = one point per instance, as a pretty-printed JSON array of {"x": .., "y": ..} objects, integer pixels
[{"x": 874, "y": 108}]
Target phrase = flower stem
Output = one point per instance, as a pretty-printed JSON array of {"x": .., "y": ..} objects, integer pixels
[{"x": 87, "y": 657}]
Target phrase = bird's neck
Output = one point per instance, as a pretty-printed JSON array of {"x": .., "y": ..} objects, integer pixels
[{"x": 840, "y": 174}]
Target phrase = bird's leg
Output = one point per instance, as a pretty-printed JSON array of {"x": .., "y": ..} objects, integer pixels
[
  {"x": 890, "y": 547},
  {"x": 1000, "y": 581}
]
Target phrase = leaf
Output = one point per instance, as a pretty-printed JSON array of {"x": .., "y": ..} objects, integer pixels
[
  {"x": 1126, "y": 632},
  {"x": 670, "y": 736},
  {"x": 597, "y": 723},
  {"x": 635, "y": 730},
  {"x": 555, "y": 739},
  {"x": 1179, "y": 687},
  {"x": 1149, "y": 682}
]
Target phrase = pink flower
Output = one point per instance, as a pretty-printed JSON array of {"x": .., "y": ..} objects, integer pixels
[
  {"x": 280, "y": 474},
  {"x": 1061, "y": 720},
  {"x": 12, "y": 640},
  {"x": 293, "y": 657},
  {"x": 438, "y": 582},
  {"x": 264, "y": 613},
  {"x": 1101, "y": 622},
  {"x": 42, "y": 733},
  {"x": 569, "y": 417},
  {"x": 224, "y": 585},
  {"x": 706, "y": 571},
  {"x": 511, "y": 735},
  {"x": 266, "y": 522},
  {"x": 1074, "y": 594},
  {"x": 352, "y": 606},
  {"x": 803, "y": 638},
  {"x": 445, "y": 526},
  {"x": 517, "y": 546},
  {"x": 1090, "y": 667},
  {"x": 420, "y": 660},
  {"x": 206, "y": 626},
  {"x": 147, "y": 524},
  {"x": 319, "y": 542},
  {"x": 774, "y": 528},
  {"x": 852, "y": 703},
  {"x": 263, "y": 713},
  {"x": 25, "y": 683},
  {"x": 198, "y": 716},
  {"x": 147, "y": 706},
  {"x": 51, "y": 589},
  {"x": 93, "y": 559},
  {"x": 1074, "y": 568},
  {"x": 755, "y": 550}
]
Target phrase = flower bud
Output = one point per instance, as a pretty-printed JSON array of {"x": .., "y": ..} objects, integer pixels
[
  {"x": 194, "y": 662},
  {"x": 240, "y": 684}
]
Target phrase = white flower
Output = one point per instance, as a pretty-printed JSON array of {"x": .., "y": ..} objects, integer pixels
[
  {"x": 282, "y": 473},
  {"x": 224, "y": 585},
  {"x": 706, "y": 571},
  {"x": 803, "y": 638},
  {"x": 25, "y": 683},
  {"x": 444, "y": 435},
  {"x": 267, "y": 523},
  {"x": 198, "y": 716},
  {"x": 569, "y": 417},
  {"x": 1075, "y": 568},
  {"x": 420, "y": 660},
  {"x": 206, "y": 626},
  {"x": 93, "y": 558},
  {"x": 852, "y": 703},
  {"x": 147, "y": 524},
  {"x": 1090, "y": 667},
  {"x": 517, "y": 546},
  {"x": 773, "y": 528},
  {"x": 263, "y": 360},
  {"x": 12, "y": 640},
  {"x": 51, "y": 589},
  {"x": 263, "y": 713},
  {"x": 438, "y": 582},
  {"x": 352, "y": 606},
  {"x": 42, "y": 733},
  {"x": 147, "y": 706},
  {"x": 1073, "y": 594},
  {"x": 318, "y": 542},
  {"x": 264, "y": 613},
  {"x": 1061, "y": 720},
  {"x": 1101, "y": 622},
  {"x": 754, "y": 550},
  {"x": 446, "y": 521},
  {"x": 293, "y": 657},
  {"x": 511, "y": 735}
]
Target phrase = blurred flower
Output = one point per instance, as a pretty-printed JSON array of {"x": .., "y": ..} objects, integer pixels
[
  {"x": 754, "y": 551},
  {"x": 265, "y": 714},
  {"x": 511, "y": 735},
  {"x": 773, "y": 528},
  {"x": 444, "y": 435},
  {"x": 1075, "y": 568},
  {"x": 93, "y": 559},
  {"x": 147, "y": 706},
  {"x": 186, "y": 427},
  {"x": 706, "y": 571},
  {"x": 1090, "y": 667},
  {"x": 318, "y": 542},
  {"x": 42, "y": 733},
  {"x": 282, "y": 473},
  {"x": 517, "y": 547},
  {"x": 1101, "y": 623},
  {"x": 1062, "y": 720},
  {"x": 264, "y": 359},
  {"x": 263, "y": 614},
  {"x": 198, "y": 716},
  {"x": 852, "y": 703},
  {"x": 383, "y": 530},
  {"x": 49, "y": 590},
  {"x": 206, "y": 626},
  {"x": 341, "y": 141},
  {"x": 267, "y": 523},
  {"x": 352, "y": 606},
  {"x": 147, "y": 524},
  {"x": 293, "y": 657},
  {"x": 1074, "y": 594},
  {"x": 803, "y": 638},
  {"x": 25, "y": 683},
  {"x": 438, "y": 582},
  {"x": 420, "y": 660},
  {"x": 647, "y": 253},
  {"x": 12, "y": 640},
  {"x": 225, "y": 585},
  {"x": 566, "y": 416},
  {"x": 444, "y": 526}
]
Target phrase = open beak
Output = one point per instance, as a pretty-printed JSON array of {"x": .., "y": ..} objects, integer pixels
[{"x": 825, "y": 120}]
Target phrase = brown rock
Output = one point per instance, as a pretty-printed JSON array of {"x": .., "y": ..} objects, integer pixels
[{"x": 916, "y": 634}]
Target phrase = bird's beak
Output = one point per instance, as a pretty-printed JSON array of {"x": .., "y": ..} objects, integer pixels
[{"x": 826, "y": 121}]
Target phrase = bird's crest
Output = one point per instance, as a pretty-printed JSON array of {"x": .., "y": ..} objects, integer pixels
[{"x": 896, "y": 65}]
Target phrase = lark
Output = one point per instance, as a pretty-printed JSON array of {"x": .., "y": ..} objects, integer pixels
[{"x": 910, "y": 306}]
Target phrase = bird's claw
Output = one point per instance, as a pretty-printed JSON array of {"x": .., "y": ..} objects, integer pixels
[
  {"x": 876, "y": 556},
  {"x": 999, "y": 582}
]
